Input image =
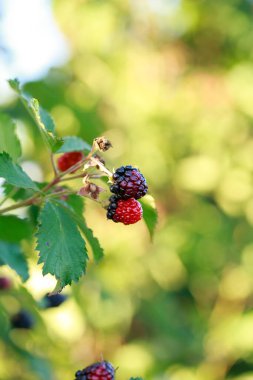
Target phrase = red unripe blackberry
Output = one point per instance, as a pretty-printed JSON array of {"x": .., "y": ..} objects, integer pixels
[
  {"x": 127, "y": 211},
  {"x": 5, "y": 283},
  {"x": 98, "y": 371},
  {"x": 128, "y": 182},
  {"x": 69, "y": 159}
]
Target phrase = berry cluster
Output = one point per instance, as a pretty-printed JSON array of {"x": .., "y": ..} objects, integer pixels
[
  {"x": 98, "y": 371},
  {"x": 128, "y": 186}
]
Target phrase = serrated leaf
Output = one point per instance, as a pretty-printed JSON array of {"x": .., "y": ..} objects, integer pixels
[
  {"x": 150, "y": 215},
  {"x": 14, "y": 229},
  {"x": 14, "y": 174},
  {"x": 9, "y": 142},
  {"x": 61, "y": 247},
  {"x": 97, "y": 250},
  {"x": 76, "y": 203},
  {"x": 11, "y": 254},
  {"x": 73, "y": 143},
  {"x": 46, "y": 125},
  {"x": 42, "y": 118}
]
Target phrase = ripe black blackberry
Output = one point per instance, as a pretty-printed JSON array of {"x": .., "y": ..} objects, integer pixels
[
  {"x": 22, "y": 320},
  {"x": 128, "y": 182},
  {"x": 53, "y": 300},
  {"x": 97, "y": 371}
]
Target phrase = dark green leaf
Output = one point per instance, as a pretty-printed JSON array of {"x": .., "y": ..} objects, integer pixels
[
  {"x": 73, "y": 143},
  {"x": 9, "y": 142},
  {"x": 149, "y": 213},
  {"x": 11, "y": 254},
  {"x": 61, "y": 247},
  {"x": 14, "y": 174},
  {"x": 46, "y": 125},
  {"x": 136, "y": 378},
  {"x": 14, "y": 229},
  {"x": 97, "y": 250},
  {"x": 42, "y": 119},
  {"x": 77, "y": 205}
]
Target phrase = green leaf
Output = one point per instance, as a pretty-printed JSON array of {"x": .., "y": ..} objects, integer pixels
[
  {"x": 14, "y": 229},
  {"x": 73, "y": 143},
  {"x": 61, "y": 247},
  {"x": 42, "y": 118},
  {"x": 11, "y": 254},
  {"x": 14, "y": 174},
  {"x": 15, "y": 85},
  {"x": 46, "y": 125},
  {"x": 97, "y": 250},
  {"x": 8, "y": 139},
  {"x": 136, "y": 378},
  {"x": 150, "y": 215},
  {"x": 76, "y": 203}
]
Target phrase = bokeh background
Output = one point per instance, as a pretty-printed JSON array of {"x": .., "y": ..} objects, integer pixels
[{"x": 170, "y": 83}]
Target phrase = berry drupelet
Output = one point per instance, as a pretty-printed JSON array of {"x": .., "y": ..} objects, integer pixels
[
  {"x": 128, "y": 182},
  {"x": 98, "y": 371},
  {"x": 69, "y": 159},
  {"x": 126, "y": 211}
]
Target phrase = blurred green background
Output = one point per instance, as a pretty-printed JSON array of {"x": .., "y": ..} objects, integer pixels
[{"x": 170, "y": 83}]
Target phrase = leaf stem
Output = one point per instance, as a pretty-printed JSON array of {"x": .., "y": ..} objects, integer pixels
[
  {"x": 7, "y": 196},
  {"x": 24, "y": 203},
  {"x": 59, "y": 177},
  {"x": 53, "y": 164}
]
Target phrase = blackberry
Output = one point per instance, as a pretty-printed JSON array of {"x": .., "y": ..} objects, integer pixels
[
  {"x": 5, "y": 283},
  {"x": 53, "y": 300},
  {"x": 126, "y": 211},
  {"x": 69, "y": 159},
  {"x": 97, "y": 371},
  {"x": 22, "y": 320},
  {"x": 128, "y": 182}
]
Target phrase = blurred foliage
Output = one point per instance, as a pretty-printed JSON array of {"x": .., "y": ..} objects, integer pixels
[{"x": 171, "y": 84}]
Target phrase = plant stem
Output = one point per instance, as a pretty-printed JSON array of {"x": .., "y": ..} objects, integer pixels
[
  {"x": 53, "y": 164},
  {"x": 73, "y": 177},
  {"x": 58, "y": 177},
  {"x": 24, "y": 203},
  {"x": 13, "y": 191}
]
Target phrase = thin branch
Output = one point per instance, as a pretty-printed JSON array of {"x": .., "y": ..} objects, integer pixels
[{"x": 53, "y": 164}]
